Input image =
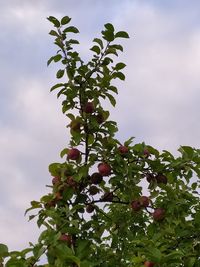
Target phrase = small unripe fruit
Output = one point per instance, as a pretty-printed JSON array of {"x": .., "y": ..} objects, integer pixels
[
  {"x": 89, "y": 107},
  {"x": 104, "y": 169},
  {"x": 90, "y": 208},
  {"x": 144, "y": 201},
  {"x": 108, "y": 196},
  {"x": 96, "y": 178},
  {"x": 161, "y": 179},
  {"x": 149, "y": 263},
  {"x": 123, "y": 150},
  {"x": 158, "y": 214},
  {"x": 66, "y": 238},
  {"x": 136, "y": 205},
  {"x": 93, "y": 190},
  {"x": 73, "y": 154}
]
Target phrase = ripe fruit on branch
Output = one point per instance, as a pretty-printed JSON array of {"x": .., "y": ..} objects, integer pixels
[
  {"x": 149, "y": 263},
  {"x": 161, "y": 179},
  {"x": 89, "y": 107},
  {"x": 90, "y": 208},
  {"x": 56, "y": 180},
  {"x": 104, "y": 169},
  {"x": 150, "y": 177},
  {"x": 158, "y": 214},
  {"x": 96, "y": 178},
  {"x": 58, "y": 196},
  {"x": 50, "y": 204},
  {"x": 73, "y": 154},
  {"x": 100, "y": 118},
  {"x": 123, "y": 149},
  {"x": 66, "y": 238},
  {"x": 108, "y": 196},
  {"x": 136, "y": 205},
  {"x": 71, "y": 182},
  {"x": 144, "y": 201},
  {"x": 93, "y": 190},
  {"x": 146, "y": 153}
]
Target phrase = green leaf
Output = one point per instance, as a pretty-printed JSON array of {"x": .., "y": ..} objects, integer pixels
[
  {"x": 54, "y": 33},
  {"x": 118, "y": 47},
  {"x": 113, "y": 89},
  {"x": 120, "y": 66},
  {"x": 54, "y": 169},
  {"x": 98, "y": 41},
  {"x": 57, "y": 58},
  {"x": 111, "y": 50},
  {"x": 108, "y": 35},
  {"x": 70, "y": 73},
  {"x": 56, "y": 86},
  {"x": 129, "y": 141},
  {"x": 54, "y": 21},
  {"x": 73, "y": 41},
  {"x": 71, "y": 29},
  {"x": 111, "y": 99},
  {"x": 155, "y": 254},
  {"x": 121, "y": 34},
  {"x": 60, "y": 74},
  {"x": 119, "y": 75},
  {"x": 63, "y": 152},
  {"x": 3, "y": 250},
  {"x": 187, "y": 151},
  {"x": 50, "y": 60},
  {"x": 109, "y": 27},
  {"x": 96, "y": 49},
  {"x": 65, "y": 20}
]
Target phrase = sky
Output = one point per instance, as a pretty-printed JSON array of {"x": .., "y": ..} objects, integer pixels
[{"x": 158, "y": 103}]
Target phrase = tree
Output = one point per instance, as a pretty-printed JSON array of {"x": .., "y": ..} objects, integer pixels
[{"x": 98, "y": 213}]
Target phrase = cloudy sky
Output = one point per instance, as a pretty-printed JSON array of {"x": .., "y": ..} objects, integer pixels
[{"x": 158, "y": 103}]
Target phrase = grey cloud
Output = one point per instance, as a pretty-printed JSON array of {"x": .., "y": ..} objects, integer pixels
[{"x": 158, "y": 102}]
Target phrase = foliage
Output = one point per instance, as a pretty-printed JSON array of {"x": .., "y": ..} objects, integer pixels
[{"x": 111, "y": 204}]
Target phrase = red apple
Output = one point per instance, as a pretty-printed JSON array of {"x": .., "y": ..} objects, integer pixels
[
  {"x": 93, "y": 190},
  {"x": 123, "y": 149},
  {"x": 56, "y": 180},
  {"x": 73, "y": 154},
  {"x": 90, "y": 208},
  {"x": 161, "y": 179},
  {"x": 144, "y": 201},
  {"x": 50, "y": 204},
  {"x": 108, "y": 196},
  {"x": 71, "y": 182},
  {"x": 158, "y": 214},
  {"x": 104, "y": 169},
  {"x": 136, "y": 205},
  {"x": 150, "y": 177},
  {"x": 66, "y": 238},
  {"x": 89, "y": 107},
  {"x": 149, "y": 263},
  {"x": 146, "y": 153},
  {"x": 100, "y": 118},
  {"x": 96, "y": 178},
  {"x": 58, "y": 196}
]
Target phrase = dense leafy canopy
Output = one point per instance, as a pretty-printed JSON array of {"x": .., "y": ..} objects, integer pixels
[{"x": 110, "y": 203}]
